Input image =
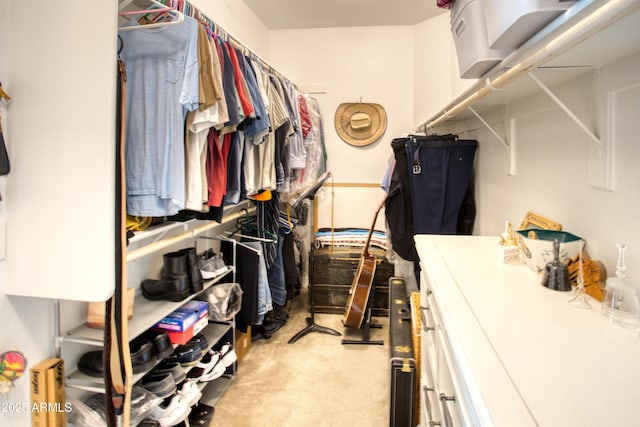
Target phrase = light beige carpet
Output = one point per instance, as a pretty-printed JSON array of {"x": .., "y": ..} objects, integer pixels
[{"x": 316, "y": 381}]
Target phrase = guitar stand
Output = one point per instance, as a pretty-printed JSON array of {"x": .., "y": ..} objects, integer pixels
[
  {"x": 367, "y": 325},
  {"x": 311, "y": 324}
]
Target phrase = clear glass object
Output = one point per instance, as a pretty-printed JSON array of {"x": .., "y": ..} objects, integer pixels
[
  {"x": 580, "y": 299},
  {"x": 620, "y": 304}
]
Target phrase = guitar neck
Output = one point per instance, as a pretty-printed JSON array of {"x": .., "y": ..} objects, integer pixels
[{"x": 373, "y": 225}]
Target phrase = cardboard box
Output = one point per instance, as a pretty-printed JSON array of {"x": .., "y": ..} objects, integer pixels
[
  {"x": 181, "y": 337},
  {"x": 183, "y": 318},
  {"x": 96, "y": 310},
  {"x": 243, "y": 343},
  {"x": 48, "y": 401},
  {"x": 195, "y": 306}
]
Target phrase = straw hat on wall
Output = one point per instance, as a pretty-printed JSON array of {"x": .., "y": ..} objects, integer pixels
[{"x": 360, "y": 123}]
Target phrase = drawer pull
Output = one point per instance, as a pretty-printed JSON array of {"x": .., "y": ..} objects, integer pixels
[
  {"x": 428, "y": 404},
  {"x": 448, "y": 421},
  {"x": 423, "y": 318}
]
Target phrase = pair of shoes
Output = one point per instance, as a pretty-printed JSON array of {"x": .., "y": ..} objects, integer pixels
[
  {"x": 210, "y": 368},
  {"x": 162, "y": 346},
  {"x": 190, "y": 392},
  {"x": 279, "y": 313},
  {"x": 174, "y": 281},
  {"x": 174, "y": 368},
  {"x": 142, "y": 359},
  {"x": 188, "y": 354},
  {"x": 201, "y": 415},
  {"x": 162, "y": 385},
  {"x": 180, "y": 277},
  {"x": 193, "y": 271},
  {"x": 172, "y": 412},
  {"x": 211, "y": 265},
  {"x": 227, "y": 353},
  {"x": 201, "y": 340}
]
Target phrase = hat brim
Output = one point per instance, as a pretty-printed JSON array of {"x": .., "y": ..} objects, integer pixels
[{"x": 365, "y": 136}]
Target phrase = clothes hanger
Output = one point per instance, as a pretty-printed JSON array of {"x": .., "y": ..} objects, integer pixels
[{"x": 155, "y": 8}]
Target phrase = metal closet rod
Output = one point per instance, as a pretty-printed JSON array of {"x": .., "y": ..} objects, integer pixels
[
  {"x": 197, "y": 14},
  {"x": 591, "y": 19},
  {"x": 164, "y": 243}
]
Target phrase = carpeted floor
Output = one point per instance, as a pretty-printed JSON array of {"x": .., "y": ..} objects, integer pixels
[{"x": 316, "y": 381}]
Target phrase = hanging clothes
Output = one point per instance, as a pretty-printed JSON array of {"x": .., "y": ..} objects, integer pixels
[{"x": 162, "y": 85}]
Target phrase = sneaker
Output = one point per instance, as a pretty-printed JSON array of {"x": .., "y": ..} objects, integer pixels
[
  {"x": 190, "y": 392},
  {"x": 211, "y": 265},
  {"x": 227, "y": 354},
  {"x": 208, "y": 361},
  {"x": 176, "y": 411}
]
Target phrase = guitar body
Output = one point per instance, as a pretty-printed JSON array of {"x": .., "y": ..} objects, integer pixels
[
  {"x": 361, "y": 285},
  {"x": 360, "y": 290}
]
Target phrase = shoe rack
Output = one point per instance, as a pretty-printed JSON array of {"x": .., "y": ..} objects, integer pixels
[{"x": 144, "y": 257}]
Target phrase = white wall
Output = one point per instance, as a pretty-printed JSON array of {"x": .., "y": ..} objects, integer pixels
[
  {"x": 432, "y": 76},
  {"x": 235, "y": 17},
  {"x": 372, "y": 64},
  {"x": 553, "y": 175}
]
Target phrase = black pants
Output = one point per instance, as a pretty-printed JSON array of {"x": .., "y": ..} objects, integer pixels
[
  {"x": 439, "y": 172},
  {"x": 431, "y": 189}
]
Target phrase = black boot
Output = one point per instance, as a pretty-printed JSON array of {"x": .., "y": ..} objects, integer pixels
[
  {"x": 193, "y": 271},
  {"x": 174, "y": 282}
]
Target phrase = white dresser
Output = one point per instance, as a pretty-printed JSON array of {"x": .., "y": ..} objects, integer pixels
[{"x": 500, "y": 349}]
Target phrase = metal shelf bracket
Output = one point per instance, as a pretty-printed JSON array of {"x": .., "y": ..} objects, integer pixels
[
  {"x": 510, "y": 152},
  {"x": 564, "y": 108}
]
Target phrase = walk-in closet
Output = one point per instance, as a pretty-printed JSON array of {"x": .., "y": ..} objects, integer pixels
[{"x": 246, "y": 213}]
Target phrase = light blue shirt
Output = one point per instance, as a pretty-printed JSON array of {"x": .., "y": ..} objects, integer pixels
[{"x": 162, "y": 85}]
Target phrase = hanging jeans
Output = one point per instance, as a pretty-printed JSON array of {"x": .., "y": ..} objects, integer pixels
[
  {"x": 276, "y": 276},
  {"x": 440, "y": 170}
]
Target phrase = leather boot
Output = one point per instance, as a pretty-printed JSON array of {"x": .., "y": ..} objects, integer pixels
[
  {"x": 174, "y": 282},
  {"x": 193, "y": 270}
]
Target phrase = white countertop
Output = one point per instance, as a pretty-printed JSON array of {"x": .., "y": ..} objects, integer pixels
[{"x": 524, "y": 352}]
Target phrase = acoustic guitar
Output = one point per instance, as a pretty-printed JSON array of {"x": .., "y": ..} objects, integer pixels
[{"x": 362, "y": 281}]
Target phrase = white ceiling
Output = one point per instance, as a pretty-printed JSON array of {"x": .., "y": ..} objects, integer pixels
[{"x": 287, "y": 14}]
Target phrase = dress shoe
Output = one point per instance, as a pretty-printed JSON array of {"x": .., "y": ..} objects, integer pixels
[
  {"x": 193, "y": 271},
  {"x": 201, "y": 340},
  {"x": 162, "y": 385},
  {"x": 174, "y": 368},
  {"x": 142, "y": 357},
  {"x": 166, "y": 289},
  {"x": 162, "y": 346},
  {"x": 91, "y": 364},
  {"x": 188, "y": 354}
]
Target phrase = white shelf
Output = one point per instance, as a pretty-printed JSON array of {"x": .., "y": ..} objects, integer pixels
[
  {"x": 214, "y": 331},
  {"x": 146, "y": 313},
  {"x": 609, "y": 30}
]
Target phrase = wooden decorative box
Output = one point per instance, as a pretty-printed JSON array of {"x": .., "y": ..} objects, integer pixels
[{"x": 332, "y": 274}]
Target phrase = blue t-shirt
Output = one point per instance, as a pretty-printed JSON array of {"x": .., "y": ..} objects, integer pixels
[{"x": 162, "y": 85}]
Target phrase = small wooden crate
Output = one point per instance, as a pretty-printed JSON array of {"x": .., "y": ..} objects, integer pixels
[{"x": 332, "y": 272}]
